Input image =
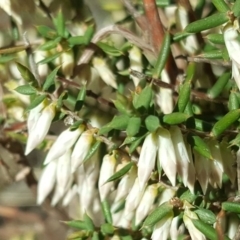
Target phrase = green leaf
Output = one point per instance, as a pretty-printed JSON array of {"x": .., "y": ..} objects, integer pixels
[
  {"x": 89, "y": 223},
  {"x": 188, "y": 196},
  {"x": 184, "y": 96},
  {"x": 206, "y": 229},
  {"x": 118, "y": 123},
  {"x": 163, "y": 56},
  {"x": 231, "y": 207},
  {"x": 37, "y": 100},
  {"x": 77, "y": 224},
  {"x": 107, "y": 211},
  {"x": 213, "y": 54},
  {"x": 95, "y": 236},
  {"x": 207, "y": 23},
  {"x": 26, "y": 73},
  {"x": 109, "y": 50},
  {"x": 80, "y": 98},
  {"x": 121, "y": 172},
  {"x": 50, "y": 79},
  {"x": 180, "y": 36},
  {"x": 143, "y": 100},
  {"x": 200, "y": 146},
  {"x": 236, "y": 8},
  {"x": 225, "y": 122},
  {"x": 218, "y": 87},
  {"x": 82, "y": 40},
  {"x": 121, "y": 103},
  {"x": 152, "y": 123},
  {"x": 129, "y": 140},
  {"x": 50, "y": 44},
  {"x": 233, "y": 101},
  {"x": 136, "y": 143},
  {"x": 220, "y": 5},
  {"x": 26, "y": 89},
  {"x": 216, "y": 38},
  {"x": 206, "y": 215},
  {"x": 158, "y": 214},
  {"x": 133, "y": 126},
  {"x": 92, "y": 150},
  {"x": 60, "y": 24},
  {"x": 63, "y": 96},
  {"x": 49, "y": 59},
  {"x": 47, "y": 32},
  {"x": 175, "y": 118},
  {"x": 107, "y": 229},
  {"x": 6, "y": 58}
]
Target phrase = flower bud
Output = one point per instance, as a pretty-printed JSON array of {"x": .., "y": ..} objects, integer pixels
[
  {"x": 106, "y": 171},
  {"x": 39, "y": 129},
  {"x": 64, "y": 142},
  {"x": 81, "y": 149},
  {"x": 147, "y": 159},
  {"x": 105, "y": 72},
  {"x": 166, "y": 155},
  {"x": 47, "y": 181}
]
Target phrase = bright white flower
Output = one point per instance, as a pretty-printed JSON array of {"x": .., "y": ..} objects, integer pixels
[
  {"x": 181, "y": 153},
  {"x": 104, "y": 71},
  {"x": 39, "y": 129},
  {"x": 162, "y": 228},
  {"x": 69, "y": 195},
  {"x": 81, "y": 149},
  {"x": 107, "y": 170},
  {"x": 193, "y": 231},
  {"x": 135, "y": 58},
  {"x": 67, "y": 63},
  {"x": 175, "y": 229},
  {"x": 166, "y": 155},
  {"x": 147, "y": 159},
  {"x": 166, "y": 195},
  {"x": 64, "y": 142},
  {"x": 47, "y": 181},
  {"x": 191, "y": 170},
  {"x": 233, "y": 223},
  {"x": 230, "y": 35},
  {"x": 146, "y": 203},
  {"x": 164, "y": 96}
]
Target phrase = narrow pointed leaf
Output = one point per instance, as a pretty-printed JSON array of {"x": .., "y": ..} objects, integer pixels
[
  {"x": 221, "y": 5},
  {"x": 175, "y": 118},
  {"x": 92, "y": 150},
  {"x": 50, "y": 79},
  {"x": 36, "y": 101},
  {"x": 89, "y": 223},
  {"x": 163, "y": 55},
  {"x": 143, "y": 100},
  {"x": 49, "y": 59},
  {"x": 206, "y": 215},
  {"x": 225, "y": 122},
  {"x": 233, "y": 101},
  {"x": 50, "y": 44},
  {"x": 26, "y": 73},
  {"x": 158, "y": 214},
  {"x": 207, "y": 23},
  {"x": 26, "y": 89},
  {"x": 77, "y": 224},
  {"x": 60, "y": 24},
  {"x": 110, "y": 50},
  {"x": 216, "y": 38},
  {"x": 107, "y": 211},
  {"x": 121, "y": 172},
  {"x": 80, "y": 98},
  {"x": 47, "y": 32},
  {"x": 236, "y": 8}
]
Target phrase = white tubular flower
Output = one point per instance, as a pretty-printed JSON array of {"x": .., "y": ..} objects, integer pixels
[
  {"x": 105, "y": 72},
  {"x": 166, "y": 155},
  {"x": 215, "y": 165},
  {"x": 164, "y": 96},
  {"x": 202, "y": 170},
  {"x": 175, "y": 229},
  {"x": 39, "y": 129},
  {"x": 162, "y": 228},
  {"x": 193, "y": 231},
  {"x": 47, "y": 181},
  {"x": 67, "y": 62},
  {"x": 107, "y": 170},
  {"x": 81, "y": 149},
  {"x": 146, "y": 203},
  {"x": 166, "y": 195},
  {"x": 134, "y": 197},
  {"x": 147, "y": 159},
  {"x": 181, "y": 153},
  {"x": 63, "y": 171},
  {"x": 126, "y": 184},
  {"x": 228, "y": 161},
  {"x": 64, "y": 142},
  {"x": 233, "y": 223},
  {"x": 230, "y": 35},
  {"x": 135, "y": 57}
]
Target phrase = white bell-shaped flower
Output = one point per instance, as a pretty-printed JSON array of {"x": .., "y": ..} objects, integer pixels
[
  {"x": 64, "y": 142},
  {"x": 39, "y": 128},
  {"x": 147, "y": 158}
]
